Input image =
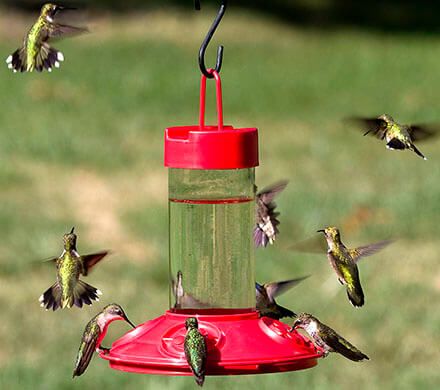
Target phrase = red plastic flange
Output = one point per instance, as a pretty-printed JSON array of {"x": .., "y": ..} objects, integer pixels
[
  {"x": 237, "y": 344},
  {"x": 211, "y": 147}
]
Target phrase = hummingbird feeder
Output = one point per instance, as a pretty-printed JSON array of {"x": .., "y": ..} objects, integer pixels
[{"x": 212, "y": 258}]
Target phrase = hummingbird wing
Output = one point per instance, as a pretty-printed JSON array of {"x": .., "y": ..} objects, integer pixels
[
  {"x": 338, "y": 344},
  {"x": 373, "y": 126},
  {"x": 266, "y": 220},
  {"x": 368, "y": 250},
  {"x": 86, "y": 348},
  {"x": 89, "y": 261},
  {"x": 277, "y": 288},
  {"x": 314, "y": 244},
  {"x": 268, "y": 194},
  {"x": 421, "y": 132},
  {"x": 63, "y": 30}
]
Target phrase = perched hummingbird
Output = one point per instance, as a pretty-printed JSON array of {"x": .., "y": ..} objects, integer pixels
[
  {"x": 344, "y": 262},
  {"x": 266, "y": 293},
  {"x": 266, "y": 220},
  {"x": 184, "y": 300},
  {"x": 36, "y": 53},
  {"x": 195, "y": 350},
  {"x": 68, "y": 289},
  {"x": 326, "y": 338},
  {"x": 397, "y": 136},
  {"x": 94, "y": 333}
]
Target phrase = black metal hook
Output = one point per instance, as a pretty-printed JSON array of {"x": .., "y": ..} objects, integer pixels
[{"x": 208, "y": 38}]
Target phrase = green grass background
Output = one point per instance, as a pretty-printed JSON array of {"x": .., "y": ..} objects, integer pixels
[{"x": 83, "y": 147}]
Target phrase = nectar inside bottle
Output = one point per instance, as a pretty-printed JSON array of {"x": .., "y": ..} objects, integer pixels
[{"x": 211, "y": 217}]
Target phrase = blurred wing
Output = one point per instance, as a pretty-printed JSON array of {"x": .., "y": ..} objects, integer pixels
[
  {"x": 63, "y": 30},
  {"x": 373, "y": 126},
  {"x": 315, "y": 244},
  {"x": 268, "y": 194},
  {"x": 277, "y": 288},
  {"x": 421, "y": 132},
  {"x": 89, "y": 261},
  {"x": 368, "y": 250}
]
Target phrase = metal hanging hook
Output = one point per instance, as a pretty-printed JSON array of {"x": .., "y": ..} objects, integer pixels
[{"x": 208, "y": 38}]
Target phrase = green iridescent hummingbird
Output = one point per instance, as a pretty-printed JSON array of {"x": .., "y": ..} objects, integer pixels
[
  {"x": 68, "y": 290},
  {"x": 266, "y": 222},
  {"x": 36, "y": 53},
  {"x": 344, "y": 262},
  {"x": 265, "y": 298},
  {"x": 326, "y": 338},
  {"x": 397, "y": 136},
  {"x": 195, "y": 350},
  {"x": 94, "y": 333}
]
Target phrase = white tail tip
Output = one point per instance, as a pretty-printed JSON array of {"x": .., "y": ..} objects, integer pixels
[
  {"x": 9, "y": 60},
  {"x": 60, "y": 56},
  {"x": 99, "y": 292}
]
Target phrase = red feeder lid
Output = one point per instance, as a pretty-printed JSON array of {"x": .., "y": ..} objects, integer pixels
[
  {"x": 237, "y": 344},
  {"x": 211, "y": 147}
]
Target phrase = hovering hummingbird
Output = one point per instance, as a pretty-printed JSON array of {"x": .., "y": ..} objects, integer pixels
[
  {"x": 68, "y": 289},
  {"x": 195, "y": 350},
  {"x": 266, "y": 293},
  {"x": 397, "y": 136},
  {"x": 94, "y": 333},
  {"x": 344, "y": 262},
  {"x": 326, "y": 338},
  {"x": 184, "y": 300},
  {"x": 36, "y": 53},
  {"x": 266, "y": 220}
]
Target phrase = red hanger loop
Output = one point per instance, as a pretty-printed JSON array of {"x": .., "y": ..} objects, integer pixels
[{"x": 218, "y": 87}]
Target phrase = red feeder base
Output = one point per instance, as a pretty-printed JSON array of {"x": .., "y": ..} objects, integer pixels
[{"x": 237, "y": 344}]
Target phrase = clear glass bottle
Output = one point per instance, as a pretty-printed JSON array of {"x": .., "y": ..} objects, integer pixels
[{"x": 211, "y": 217}]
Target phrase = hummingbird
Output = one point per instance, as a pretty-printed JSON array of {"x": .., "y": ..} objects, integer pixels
[
  {"x": 36, "y": 53},
  {"x": 68, "y": 290},
  {"x": 94, "y": 333},
  {"x": 195, "y": 350},
  {"x": 183, "y": 299},
  {"x": 266, "y": 222},
  {"x": 326, "y": 338},
  {"x": 344, "y": 262},
  {"x": 397, "y": 136},
  {"x": 265, "y": 298}
]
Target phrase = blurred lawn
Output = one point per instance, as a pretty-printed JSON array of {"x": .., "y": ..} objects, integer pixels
[{"x": 83, "y": 147}]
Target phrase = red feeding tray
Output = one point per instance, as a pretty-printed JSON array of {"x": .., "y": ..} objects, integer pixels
[{"x": 237, "y": 344}]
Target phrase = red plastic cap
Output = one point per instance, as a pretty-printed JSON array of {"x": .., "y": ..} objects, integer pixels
[{"x": 210, "y": 148}]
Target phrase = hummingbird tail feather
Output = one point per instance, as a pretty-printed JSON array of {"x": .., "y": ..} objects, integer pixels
[
  {"x": 17, "y": 60},
  {"x": 48, "y": 57},
  {"x": 260, "y": 238},
  {"x": 417, "y": 151},
  {"x": 84, "y": 294},
  {"x": 355, "y": 295},
  {"x": 51, "y": 298},
  {"x": 284, "y": 312},
  {"x": 200, "y": 379}
]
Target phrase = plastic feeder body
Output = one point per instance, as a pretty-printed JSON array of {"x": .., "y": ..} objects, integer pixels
[{"x": 212, "y": 264}]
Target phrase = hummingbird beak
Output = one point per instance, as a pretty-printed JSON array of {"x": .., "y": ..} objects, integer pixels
[
  {"x": 61, "y": 8},
  {"x": 73, "y": 228},
  {"x": 320, "y": 231},
  {"x": 131, "y": 323}
]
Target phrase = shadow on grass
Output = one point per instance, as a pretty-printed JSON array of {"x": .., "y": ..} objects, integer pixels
[{"x": 381, "y": 15}]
